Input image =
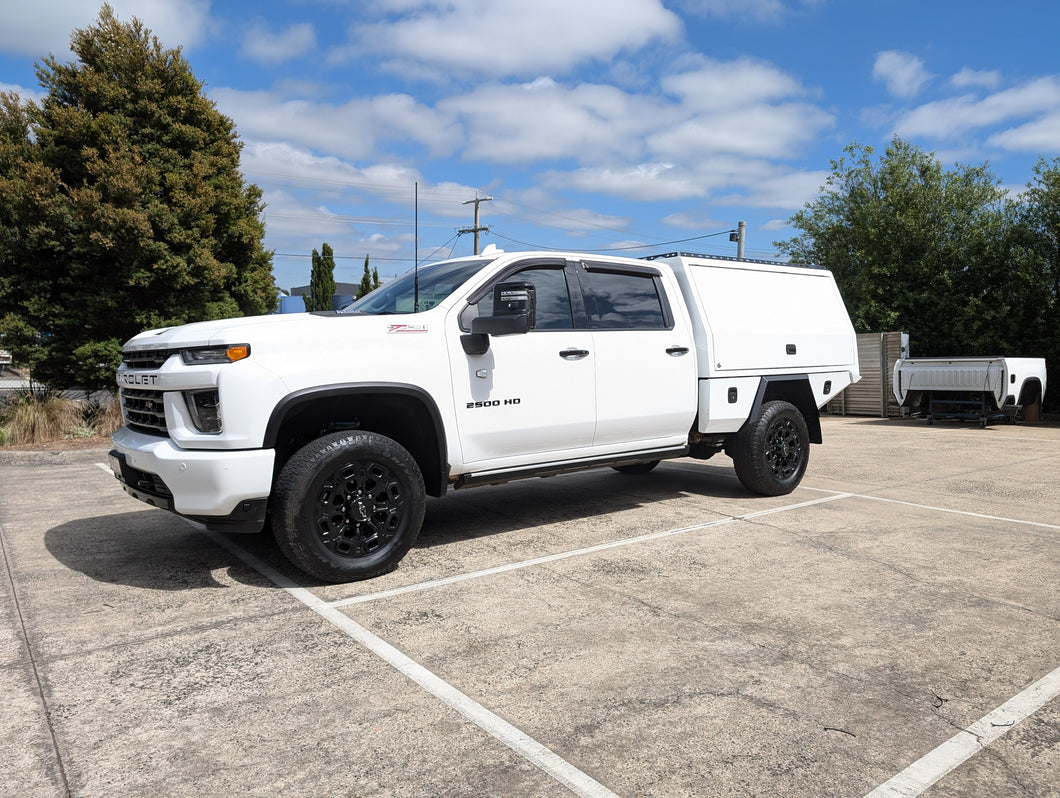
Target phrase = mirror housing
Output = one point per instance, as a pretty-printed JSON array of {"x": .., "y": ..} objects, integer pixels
[
  {"x": 512, "y": 299},
  {"x": 500, "y": 325},
  {"x": 514, "y": 308}
]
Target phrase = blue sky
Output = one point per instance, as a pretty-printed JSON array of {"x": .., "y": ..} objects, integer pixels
[{"x": 600, "y": 125}]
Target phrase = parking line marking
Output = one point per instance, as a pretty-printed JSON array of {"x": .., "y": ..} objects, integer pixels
[
  {"x": 518, "y": 566},
  {"x": 943, "y": 509},
  {"x": 518, "y": 741},
  {"x": 927, "y": 770},
  {"x": 563, "y": 555}
]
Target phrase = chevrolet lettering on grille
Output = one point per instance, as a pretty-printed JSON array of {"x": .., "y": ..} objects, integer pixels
[{"x": 137, "y": 379}]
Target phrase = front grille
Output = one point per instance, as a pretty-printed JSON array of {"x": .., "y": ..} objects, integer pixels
[
  {"x": 144, "y": 411},
  {"x": 146, "y": 358}
]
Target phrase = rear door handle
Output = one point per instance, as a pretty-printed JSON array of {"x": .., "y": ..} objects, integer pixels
[
  {"x": 574, "y": 354},
  {"x": 677, "y": 351}
]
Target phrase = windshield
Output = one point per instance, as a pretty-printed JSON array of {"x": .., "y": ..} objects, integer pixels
[{"x": 436, "y": 282}]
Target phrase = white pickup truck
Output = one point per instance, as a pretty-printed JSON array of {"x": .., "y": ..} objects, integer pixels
[{"x": 477, "y": 371}]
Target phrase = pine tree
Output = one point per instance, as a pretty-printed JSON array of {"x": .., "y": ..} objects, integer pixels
[
  {"x": 366, "y": 285},
  {"x": 122, "y": 207},
  {"x": 322, "y": 279}
]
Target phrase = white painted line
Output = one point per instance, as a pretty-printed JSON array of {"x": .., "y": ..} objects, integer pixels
[
  {"x": 834, "y": 497},
  {"x": 516, "y": 566},
  {"x": 927, "y": 770},
  {"x": 521, "y": 743},
  {"x": 501, "y": 569},
  {"x": 943, "y": 509},
  {"x": 105, "y": 467}
]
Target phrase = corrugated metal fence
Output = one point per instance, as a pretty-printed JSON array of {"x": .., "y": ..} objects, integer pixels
[{"x": 877, "y": 354}]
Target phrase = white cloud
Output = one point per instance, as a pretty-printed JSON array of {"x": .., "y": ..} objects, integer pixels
[
  {"x": 511, "y": 39},
  {"x": 718, "y": 108},
  {"x": 24, "y": 93},
  {"x": 717, "y": 129},
  {"x": 763, "y": 131},
  {"x": 971, "y": 78},
  {"x": 45, "y": 26},
  {"x": 783, "y": 188},
  {"x": 722, "y": 86},
  {"x": 957, "y": 115},
  {"x": 694, "y": 221},
  {"x": 648, "y": 182},
  {"x": 352, "y": 130},
  {"x": 274, "y": 48},
  {"x": 546, "y": 121},
  {"x": 902, "y": 73},
  {"x": 1038, "y": 136}
]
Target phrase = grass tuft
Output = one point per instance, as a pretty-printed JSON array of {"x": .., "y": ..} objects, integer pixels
[{"x": 42, "y": 416}]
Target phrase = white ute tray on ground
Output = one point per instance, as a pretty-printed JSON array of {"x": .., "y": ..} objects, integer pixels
[{"x": 1001, "y": 377}]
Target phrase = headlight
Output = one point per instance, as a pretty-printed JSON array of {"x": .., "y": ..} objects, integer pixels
[
  {"x": 229, "y": 353},
  {"x": 205, "y": 410}
]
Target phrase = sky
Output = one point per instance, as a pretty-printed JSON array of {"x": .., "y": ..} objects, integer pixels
[{"x": 628, "y": 127}]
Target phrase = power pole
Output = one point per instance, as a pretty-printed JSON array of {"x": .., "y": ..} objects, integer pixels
[
  {"x": 477, "y": 228},
  {"x": 739, "y": 236}
]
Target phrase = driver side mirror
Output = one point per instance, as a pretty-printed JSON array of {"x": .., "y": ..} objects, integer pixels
[{"x": 514, "y": 311}]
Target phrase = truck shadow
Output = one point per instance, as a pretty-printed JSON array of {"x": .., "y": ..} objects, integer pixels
[
  {"x": 499, "y": 509},
  {"x": 150, "y": 549},
  {"x": 155, "y": 550}
]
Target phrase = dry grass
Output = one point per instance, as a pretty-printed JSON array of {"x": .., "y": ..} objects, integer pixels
[
  {"x": 105, "y": 417},
  {"x": 32, "y": 418}
]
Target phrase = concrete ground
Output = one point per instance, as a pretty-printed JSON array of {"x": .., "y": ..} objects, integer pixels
[{"x": 890, "y": 628}]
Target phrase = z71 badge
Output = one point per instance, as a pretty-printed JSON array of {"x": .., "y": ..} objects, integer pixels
[
  {"x": 406, "y": 328},
  {"x": 493, "y": 403}
]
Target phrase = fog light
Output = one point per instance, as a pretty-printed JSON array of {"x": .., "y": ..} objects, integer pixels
[{"x": 205, "y": 409}]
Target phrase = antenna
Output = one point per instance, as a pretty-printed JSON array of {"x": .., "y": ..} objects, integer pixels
[{"x": 416, "y": 262}]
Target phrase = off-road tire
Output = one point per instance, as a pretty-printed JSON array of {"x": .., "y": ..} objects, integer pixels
[
  {"x": 770, "y": 452},
  {"x": 348, "y": 506}
]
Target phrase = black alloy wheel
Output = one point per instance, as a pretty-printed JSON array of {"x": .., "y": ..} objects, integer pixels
[
  {"x": 771, "y": 451},
  {"x": 348, "y": 506}
]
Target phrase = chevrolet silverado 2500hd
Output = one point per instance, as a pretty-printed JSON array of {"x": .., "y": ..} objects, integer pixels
[{"x": 477, "y": 371}]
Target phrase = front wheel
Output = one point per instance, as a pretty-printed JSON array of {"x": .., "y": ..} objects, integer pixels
[
  {"x": 770, "y": 452},
  {"x": 348, "y": 506}
]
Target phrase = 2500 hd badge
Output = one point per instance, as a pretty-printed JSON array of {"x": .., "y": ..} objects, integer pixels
[{"x": 493, "y": 403}]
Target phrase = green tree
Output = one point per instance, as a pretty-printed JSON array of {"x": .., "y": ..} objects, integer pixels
[
  {"x": 368, "y": 284},
  {"x": 376, "y": 282},
  {"x": 913, "y": 246},
  {"x": 321, "y": 280},
  {"x": 122, "y": 207},
  {"x": 1035, "y": 285}
]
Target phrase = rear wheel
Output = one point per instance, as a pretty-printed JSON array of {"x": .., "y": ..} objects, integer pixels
[
  {"x": 348, "y": 506},
  {"x": 771, "y": 451}
]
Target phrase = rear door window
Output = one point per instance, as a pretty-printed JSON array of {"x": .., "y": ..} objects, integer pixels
[{"x": 624, "y": 301}]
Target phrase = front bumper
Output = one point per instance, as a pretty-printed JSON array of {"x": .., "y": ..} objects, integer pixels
[{"x": 224, "y": 489}]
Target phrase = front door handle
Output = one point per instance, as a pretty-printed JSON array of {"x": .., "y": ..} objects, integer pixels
[
  {"x": 574, "y": 354},
  {"x": 677, "y": 351}
]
